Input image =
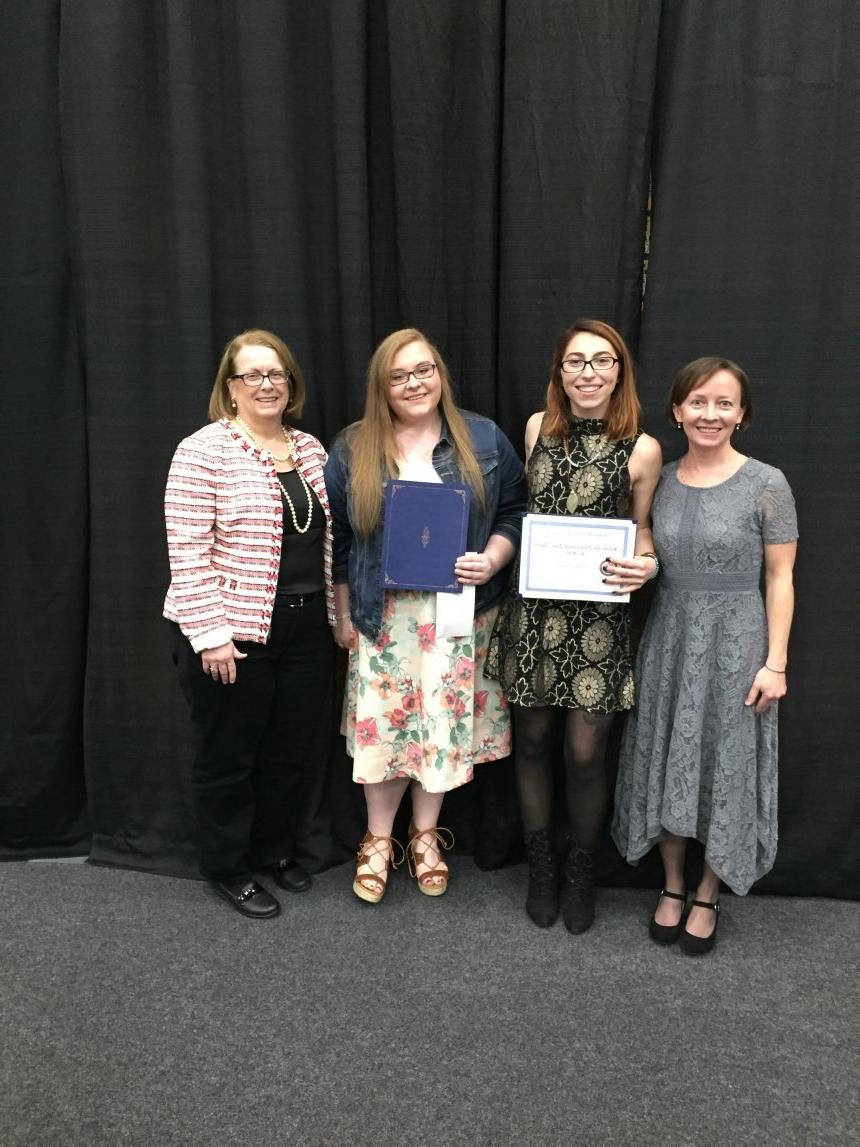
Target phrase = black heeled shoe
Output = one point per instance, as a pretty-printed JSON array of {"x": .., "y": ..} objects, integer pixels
[
  {"x": 666, "y": 933},
  {"x": 699, "y": 945}
]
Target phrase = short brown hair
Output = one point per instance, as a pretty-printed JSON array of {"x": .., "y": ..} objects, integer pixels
[
  {"x": 622, "y": 417},
  {"x": 219, "y": 400},
  {"x": 699, "y": 371}
]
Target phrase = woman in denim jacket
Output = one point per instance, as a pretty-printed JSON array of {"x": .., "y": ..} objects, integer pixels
[{"x": 418, "y": 711}]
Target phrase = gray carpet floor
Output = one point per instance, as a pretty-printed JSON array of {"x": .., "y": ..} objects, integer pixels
[{"x": 142, "y": 1010}]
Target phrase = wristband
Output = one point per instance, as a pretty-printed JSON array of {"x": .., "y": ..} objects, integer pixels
[
  {"x": 651, "y": 554},
  {"x": 781, "y": 672}
]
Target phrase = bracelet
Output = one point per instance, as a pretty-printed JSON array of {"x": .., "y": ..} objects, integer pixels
[
  {"x": 651, "y": 554},
  {"x": 341, "y": 617},
  {"x": 780, "y": 671}
]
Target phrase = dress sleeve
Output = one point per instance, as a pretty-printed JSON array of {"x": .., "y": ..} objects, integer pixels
[{"x": 776, "y": 510}]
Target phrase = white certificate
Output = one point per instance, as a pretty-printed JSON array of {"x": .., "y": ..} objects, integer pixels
[{"x": 562, "y": 554}]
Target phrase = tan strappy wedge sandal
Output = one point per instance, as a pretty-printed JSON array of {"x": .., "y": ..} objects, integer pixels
[
  {"x": 442, "y": 838},
  {"x": 372, "y": 886}
]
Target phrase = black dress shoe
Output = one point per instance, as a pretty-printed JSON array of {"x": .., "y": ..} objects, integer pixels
[
  {"x": 666, "y": 933},
  {"x": 289, "y": 875},
  {"x": 249, "y": 898},
  {"x": 698, "y": 945}
]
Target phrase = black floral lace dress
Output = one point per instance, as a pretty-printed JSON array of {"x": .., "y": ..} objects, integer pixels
[{"x": 571, "y": 654}]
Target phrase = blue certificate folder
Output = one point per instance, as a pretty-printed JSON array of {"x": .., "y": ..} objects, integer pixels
[{"x": 423, "y": 535}]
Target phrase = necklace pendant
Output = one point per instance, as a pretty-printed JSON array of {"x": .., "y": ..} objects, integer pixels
[{"x": 572, "y": 502}]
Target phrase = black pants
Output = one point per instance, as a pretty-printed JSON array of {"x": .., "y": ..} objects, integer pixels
[{"x": 260, "y": 741}]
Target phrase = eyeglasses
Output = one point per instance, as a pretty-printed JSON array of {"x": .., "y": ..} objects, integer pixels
[
  {"x": 578, "y": 365},
  {"x": 255, "y": 378},
  {"x": 421, "y": 373}
]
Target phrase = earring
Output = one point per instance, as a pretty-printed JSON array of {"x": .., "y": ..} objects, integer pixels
[
  {"x": 679, "y": 425},
  {"x": 738, "y": 426},
  {"x": 233, "y": 405}
]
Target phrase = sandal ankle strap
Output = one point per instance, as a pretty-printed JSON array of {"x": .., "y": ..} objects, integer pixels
[
  {"x": 415, "y": 857},
  {"x": 394, "y": 846}
]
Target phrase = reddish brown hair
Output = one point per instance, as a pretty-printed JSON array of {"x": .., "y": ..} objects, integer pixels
[{"x": 622, "y": 417}]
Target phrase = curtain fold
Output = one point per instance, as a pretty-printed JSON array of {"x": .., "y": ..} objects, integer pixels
[{"x": 43, "y": 469}]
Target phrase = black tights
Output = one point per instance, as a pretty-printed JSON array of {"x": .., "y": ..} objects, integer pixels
[{"x": 535, "y": 732}]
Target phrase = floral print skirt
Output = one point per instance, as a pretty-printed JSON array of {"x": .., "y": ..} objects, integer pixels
[{"x": 419, "y": 706}]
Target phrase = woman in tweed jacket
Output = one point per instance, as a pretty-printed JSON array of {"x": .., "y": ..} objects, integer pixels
[{"x": 251, "y": 606}]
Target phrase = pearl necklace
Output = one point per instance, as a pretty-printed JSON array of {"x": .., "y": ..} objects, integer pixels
[
  {"x": 289, "y": 456},
  {"x": 246, "y": 430},
  {"x": 299, "y": 529}
]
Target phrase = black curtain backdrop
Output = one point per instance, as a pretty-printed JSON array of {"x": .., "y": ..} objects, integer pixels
[{"x": 177, "y": 171}]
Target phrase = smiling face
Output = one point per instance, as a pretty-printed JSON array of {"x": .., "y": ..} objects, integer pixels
[
  {"x": 590, "y": 391},
  {"x": 711, "y": 411},
  {"x": 415, "y": 399},
  {"x": 263, "y": 405}
]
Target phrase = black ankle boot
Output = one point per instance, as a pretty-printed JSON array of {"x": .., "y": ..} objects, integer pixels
[
  {"x": 577, "y": 890},
  {"x": 542, "y": 899}
]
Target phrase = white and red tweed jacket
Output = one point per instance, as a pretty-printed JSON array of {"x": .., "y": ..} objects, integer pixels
[{"x": 224, "y": 515}]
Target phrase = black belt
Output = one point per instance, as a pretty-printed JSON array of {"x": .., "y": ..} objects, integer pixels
[{"x": 297, "y": 600}]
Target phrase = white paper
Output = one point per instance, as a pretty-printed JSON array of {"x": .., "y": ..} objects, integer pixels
[
  {"x": 562, "y": 554},
  {"x": 455, "y": 612}
]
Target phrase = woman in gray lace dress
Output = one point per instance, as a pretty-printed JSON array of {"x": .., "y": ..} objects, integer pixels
[{"x": 699, "y": 756}]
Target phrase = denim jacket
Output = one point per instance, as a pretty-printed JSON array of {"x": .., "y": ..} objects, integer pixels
[{"x": 358, "y": 559}]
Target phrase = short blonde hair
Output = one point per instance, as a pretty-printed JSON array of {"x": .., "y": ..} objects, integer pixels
[{"x": 220, "y": 403}]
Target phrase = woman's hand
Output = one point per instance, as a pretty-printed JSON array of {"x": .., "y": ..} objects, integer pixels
[
  {"x": 627, "y": 574},
  {"x": 220, "y": 663},
  {"x": 344, "y": 632},
  {"x": 767, "y": 687},
  {"x": 474, "y": 569}
]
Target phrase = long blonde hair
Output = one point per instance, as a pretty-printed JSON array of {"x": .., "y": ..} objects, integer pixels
[{"x": 371, "y": 441}]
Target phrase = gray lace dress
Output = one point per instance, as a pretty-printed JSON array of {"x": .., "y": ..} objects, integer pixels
[{"x": 695, "y": 761}]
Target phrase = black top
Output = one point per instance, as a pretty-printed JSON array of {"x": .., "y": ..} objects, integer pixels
[{"x": 301, "y": 554}]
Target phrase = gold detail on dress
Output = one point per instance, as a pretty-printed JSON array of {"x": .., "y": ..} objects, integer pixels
[
  {"x": 597, "y": 640},
  {"x": 554, "y": 629},
  {"x": 545, "y": 677},
  {"x": 589, "y": 685},
  {"x": 628, "y": 692},
  {"x": 540, "y": 472}
]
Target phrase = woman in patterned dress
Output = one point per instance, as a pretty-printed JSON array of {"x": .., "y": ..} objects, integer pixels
[
  {"x": 568, "y": 662},
  {"x": 699, "y": 756},
  {"x": 418, "y": 712}
]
